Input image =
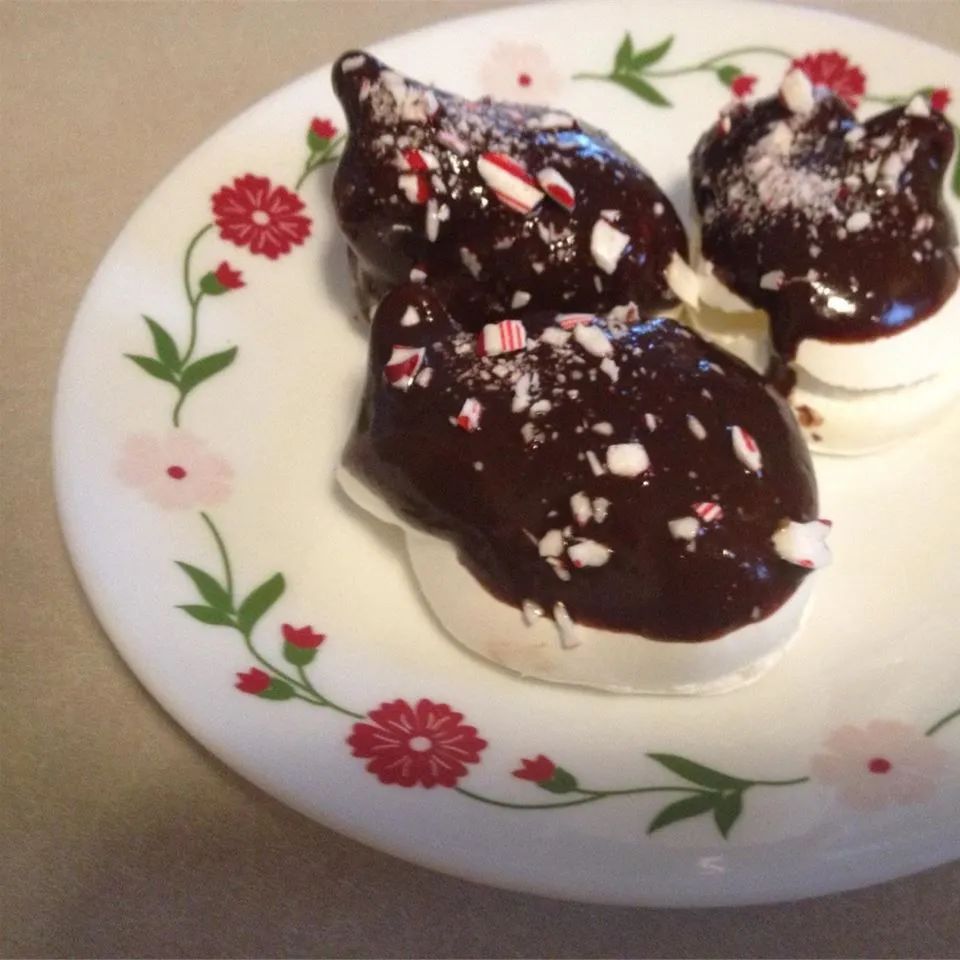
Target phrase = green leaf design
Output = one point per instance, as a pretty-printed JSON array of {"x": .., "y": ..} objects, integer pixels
[
  {"x": 208, "y": 615},
  {"x": 205, "y": 368},
  {"x": 650, "y": 56},
  {"x": 682, "y": 810},
  {"x": 164, "y": 345},
  {"x": 624, "y": 56},
  {"x": 641, "y": 88},
  {"x": 154, "y": 367},
  {"x": 728, "y": 73},
  {"x": 562, "y": 781},
  {"x": 298, "y": 656},
  {"x": 259, "y": 601},
  {"x": 208, "y": 588},
  {"x": 278, "y": 690},
  {"x": 697, "y": 773},
  {"x": 727, "y": 811}
]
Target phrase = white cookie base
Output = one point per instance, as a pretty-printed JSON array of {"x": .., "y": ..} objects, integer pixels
[{"x": 602, "y": 659}]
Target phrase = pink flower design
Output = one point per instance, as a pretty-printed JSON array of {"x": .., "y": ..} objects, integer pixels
[
  {"x": 521, "y": 72},
  {"x": 882, "y": 764},
  {"x": 174, "y": 471},
  {"x": 267, "y": 219},
  {"x": 425, "y": 744},
  {"x": 832, "y": 69}
]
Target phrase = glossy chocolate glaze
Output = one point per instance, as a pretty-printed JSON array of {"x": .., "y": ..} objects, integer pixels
[
  {"x": 483, "y": 252},
  {"x": 497, "y": 490},
  {"x": 851, "y": 214}
]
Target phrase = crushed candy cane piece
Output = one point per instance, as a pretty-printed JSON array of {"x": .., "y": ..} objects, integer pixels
[
  {"x": 403, "y": 366},
  {"x": 415, "y": 187},
  {"x": 469, "y": 417},
  {"x": 531, "y": 611},
  {"x": 588, "y": 553},
  {"x": 772, "y": 280},
  {"x": 627, "y": 459},
  {"x": 708, "y": 511},
  {"x": 417, "y": 161},
  {"x": 803, "y": 544},
  {"x": 450, "y": 140},
  {"x": 581, "y": 508},
  {"x": 746, "y": 449},
  {"x": 424, "y": 377},
  {"x": 551, "y": 544},
  {"x": 601, "y": 508},
  {"x": 568, "y": 321},
  {"x": 410, "y": 318},
  {"x": 858, "y": 221},
  {"x": 521, "y": 393},
  {"x": 796, "y": 91},
  {"x": 607, "y": 245},
  {"x": 696, "y": 427},
  {"x": 555, "y": 336},
  {"x": 593, "y": 340},
  {"x": 511, "y": 184},
  {"x": 519, "y": 299},
  {"x": 566, "y": 628},
  {"x": 557, "y": 188},
  {"x": 418, "y": 274},
  {"x": 507, "y": 336},
  {"x": 918, "y": 107},
  {"x": 683, "y": 528}
]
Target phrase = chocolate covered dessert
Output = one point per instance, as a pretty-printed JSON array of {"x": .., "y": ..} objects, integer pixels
[
  {"x": 502, "y": 207},
  {"x": 602, "y": 500},
  {"x": 830, "y": 243}
]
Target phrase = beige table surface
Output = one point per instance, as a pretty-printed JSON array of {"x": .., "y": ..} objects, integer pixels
[{"x": 120, "y": 836}]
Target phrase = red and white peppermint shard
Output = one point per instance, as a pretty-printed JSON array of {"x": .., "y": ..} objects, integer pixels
[
  {"x": 557, "y": 187},
  {"x": 588, "y": 553},
  {"x": 403, "y": 366},
  {"x": 507, "y": 336},
  {"x": 570, "y": 320},
  {"x": 415, "y": 187},
  {"x": 746, "y": 449},
  {"x": 417, "y": 161},
  {"x": 469, "y": 417},
  {"x": 511, "y": 184},
  {"x": 803, "y": 544},
  {"x": 708, "y": 511}
]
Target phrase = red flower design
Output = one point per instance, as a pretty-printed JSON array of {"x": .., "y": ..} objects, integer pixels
[
  {"x": 253, "y": 681},
  {"x": 322, "y": 128},
  {"x": 939, "y": 99},
  {"x": 743, "y": 85},
  {"x": 254, "y": 214},
  {"x": 537, "y": 771},
  {"x": 426, "y": 744},
  {"x": 832, "y": 69},
  {"x": 303, "y": 637},
  {"x": 228, "y": 277}
]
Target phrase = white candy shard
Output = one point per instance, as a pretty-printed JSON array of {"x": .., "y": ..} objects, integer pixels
[
  {"x": 627, "y": 459},
  {"x": 353, "y": 63},
  {"x": 424, "y": 377},
  {"x": 601, "y": 508},
  {"x": 521, "y": 394},
  {"x": 403, "y": 366},
  {"x": 746, "y": 449},
  {"x": 593, "y": 340},
  {"x": 410, "y": 317},
  {"x": 511, "y": 184},
  {"x": 532, "y": 612},
  {"x": 507, "y": 336},
  {"x": 803, "y": 544},
  {"x": 469, "y": 417},
  {"x": 604, "y": 428},
  {"x": 858, "y": 221},
  {"x": 596, "y": 467},
  {"x": 588, "y": 553},
  {"x": 696, "y": 427},
  {"x": 918, "y": 107},
  {"x": 581, "y": 508},
  {"x": 471, "y": 261},
  {"x": 520, "y": 299},
  {"x": 555, "y": 336},
  {"x": 557, "y": 187},
  {"x": 541, "y": 408},
  {"x": 610, "y": 369},
  {"x": 683, "y": 280},
  {"x": 566, "y": 628},
  {"x": 417, "y": 161},
  {"x": 683, "y": 528},
  {"x": 772, "y": 280},
  {"x": 551, "y": 120},
  {"x": 432, "y": 221},
  {"x": 551, "y": 544},
  {"x": 651, "y": 421},
  {"x": 415, "y": 187},
  {"x": 607, "y": 245},
  {"x": 796, "y": 91}
]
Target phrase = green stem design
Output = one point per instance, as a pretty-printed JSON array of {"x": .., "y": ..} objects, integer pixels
[
  {"x": 224, "y": 557},
  {"x": 318, "y": 159},
  {"x": 187, "y": 285},
  {"x": 194, "y": 301},
  {"x": 943, "y": 721},
  {"x": 589, "y": 796},
  {"x": 711, "y": 62},
  {"x": 324, "y": 700}
]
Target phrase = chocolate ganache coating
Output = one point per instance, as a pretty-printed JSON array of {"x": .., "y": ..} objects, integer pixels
[
  {"x": 594, "y": 463},
  {"x": 503, "y": 206},
  {"x": 837, "y": 229}
]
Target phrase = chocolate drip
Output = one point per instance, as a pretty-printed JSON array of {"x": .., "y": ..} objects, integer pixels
[
  {"x": 550, "y": 412},
  {"x": 837, "y": 229},
  {"x": 445, "y": 218}
]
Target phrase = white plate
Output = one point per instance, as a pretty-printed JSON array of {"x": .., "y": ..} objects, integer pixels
[{"x": 843, "y": 780}]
